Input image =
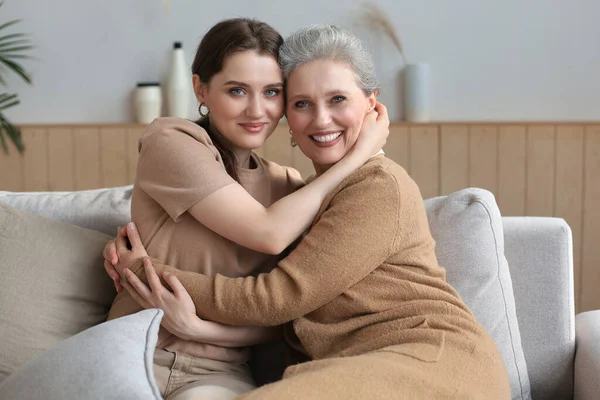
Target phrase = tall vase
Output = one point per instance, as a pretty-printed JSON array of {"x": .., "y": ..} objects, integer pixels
[
  {"x": 417, "y": 92},
  {"x": 178, "y": 84}
]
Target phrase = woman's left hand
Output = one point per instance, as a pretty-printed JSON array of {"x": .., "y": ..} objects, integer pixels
[
  {"x": 374, "y": 131},
  {"x": 125, "y": 256},
  {"x": 179, "y": 309}
]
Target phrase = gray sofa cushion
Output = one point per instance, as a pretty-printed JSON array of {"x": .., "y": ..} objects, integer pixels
[
  {"x": 111, "y": 361},
  {"x": 53, "y": 284},
  {"x": 100, "y": 209},
  {"x": 467, "y": 228}
]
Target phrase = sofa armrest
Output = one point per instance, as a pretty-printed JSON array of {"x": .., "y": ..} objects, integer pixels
[
  {"x": 539, "y": 251},
  {"x": 587, "y": 355}
]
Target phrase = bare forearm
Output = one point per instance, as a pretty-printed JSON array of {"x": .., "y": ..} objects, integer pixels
[
  {"x": 234, "y": 214},
  {"x": 230, "y": 336},
  {"x": 290, "y": 216}
]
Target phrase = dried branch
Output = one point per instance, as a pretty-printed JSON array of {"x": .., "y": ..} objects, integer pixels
[{"x": 377, "y": 21}]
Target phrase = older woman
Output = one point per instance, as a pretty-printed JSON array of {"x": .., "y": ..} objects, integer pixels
[{"x": 370, "y": 312}]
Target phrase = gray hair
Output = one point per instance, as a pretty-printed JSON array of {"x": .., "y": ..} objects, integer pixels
[{"x": 328, "y": 43}]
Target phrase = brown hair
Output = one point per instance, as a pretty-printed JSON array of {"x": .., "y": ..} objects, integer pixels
[{"x": 222, "y": 40}]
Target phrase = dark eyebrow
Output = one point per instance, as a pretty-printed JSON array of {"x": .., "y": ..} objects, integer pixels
[{"x": 242, "y": 84}]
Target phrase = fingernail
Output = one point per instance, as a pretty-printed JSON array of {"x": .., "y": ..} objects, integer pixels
[{"x": 131, "y": 226}]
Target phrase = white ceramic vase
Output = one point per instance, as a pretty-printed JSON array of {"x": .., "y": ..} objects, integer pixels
[
  {"x": 417, "y": 92},
  {"x": 147, "y": 102},
  {"x": 178, "y": 84}
]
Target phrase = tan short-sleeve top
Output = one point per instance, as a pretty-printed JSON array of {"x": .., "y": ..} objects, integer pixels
[{"x": 179, "y": 166}]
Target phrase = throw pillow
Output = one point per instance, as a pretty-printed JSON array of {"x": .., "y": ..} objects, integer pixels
[
  {"x": 100, "y": 209},
  {"x": 467, "y": 228},
  {"x": 53, "y": 284},
  {"x": 110, "y": 361}
]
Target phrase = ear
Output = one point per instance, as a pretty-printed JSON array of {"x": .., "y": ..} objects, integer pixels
[
  {"x": 200, "y": 88},
  {"x": 372, "y": 100}
]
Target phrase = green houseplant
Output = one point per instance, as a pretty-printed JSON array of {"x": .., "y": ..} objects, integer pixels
[{"x": 13, "y": 48}]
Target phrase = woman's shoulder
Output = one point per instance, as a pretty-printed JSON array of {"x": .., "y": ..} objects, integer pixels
[
  {"x": 167, "y": 129},
  {"x": 383, "y": 175},
  {"x": 387, "y": 169},
  {"x": 378, "y": 170}
]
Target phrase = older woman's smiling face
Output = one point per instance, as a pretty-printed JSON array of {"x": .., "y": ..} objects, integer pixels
[{"x": 325, "y": 110}]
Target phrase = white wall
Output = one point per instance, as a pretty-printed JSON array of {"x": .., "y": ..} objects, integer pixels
[{"x": 491, "y": 59}]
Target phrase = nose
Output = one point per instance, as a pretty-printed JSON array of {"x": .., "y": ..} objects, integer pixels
[
  {"x": 255, "y": 108},
  {"x": 322, "y": 118}
]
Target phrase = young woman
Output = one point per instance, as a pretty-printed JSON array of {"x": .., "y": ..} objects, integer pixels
[
  {"x": 203, "y": 200},
  {"x": 371, "y": 314}
]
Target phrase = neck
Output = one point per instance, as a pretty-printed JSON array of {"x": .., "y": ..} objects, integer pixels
[
  {"x": 242, "y": 156},
  {"x": 321, "y": 168}
]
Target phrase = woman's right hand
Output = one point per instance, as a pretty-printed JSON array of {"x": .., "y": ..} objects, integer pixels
[
  {"x": 374, "y": 132},
  {"x": 111, "y": 258},
  {"x": 180, "y": 316}
]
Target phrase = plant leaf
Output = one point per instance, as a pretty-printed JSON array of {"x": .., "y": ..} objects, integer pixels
[
  {"x": 13, "y": 49},
  {"x": 15, "y": 43},
  {"x": 15, "y": 135},
  {"x": 2, "y": 81},
  {"x": 7, "y": 97},
  {"x": 3, "y": 141},
  {"x": 13, "y": 36},
  {"x": 18, "y": 56},
  {"x": 9, "y": 23},
  {"x": 16, "y": 68},
  {"x": 14, "y": 103}
]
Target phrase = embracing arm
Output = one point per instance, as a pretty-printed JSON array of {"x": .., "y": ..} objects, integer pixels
[
  {"x": 349, "y": 241},
  {"x": 227, "y": 335},
  {"x": 234, "y": 214},
  {"x": 182, "y": 174},
  {"x": 179, "y": 310}
]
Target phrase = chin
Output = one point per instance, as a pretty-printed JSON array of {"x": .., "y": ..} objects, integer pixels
[
  {"x": 251, "y": 143},
  {"x": 327, "y": 159}
]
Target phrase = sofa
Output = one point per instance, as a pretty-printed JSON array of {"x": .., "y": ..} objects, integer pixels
[{"x": 515, "y": 274}]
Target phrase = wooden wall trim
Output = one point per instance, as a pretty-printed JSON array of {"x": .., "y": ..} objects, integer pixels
[{"x": 533, "y": 168}]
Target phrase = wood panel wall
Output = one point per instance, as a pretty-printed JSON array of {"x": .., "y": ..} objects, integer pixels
[{"x": 542, "y": 169}]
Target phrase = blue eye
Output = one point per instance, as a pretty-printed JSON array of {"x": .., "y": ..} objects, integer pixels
[
  {"x": 236, "y": 91},
  {"x": 301, "y": 104},
  {"x": 338, "y": 99},
  {"x": 272, "y": 92}
]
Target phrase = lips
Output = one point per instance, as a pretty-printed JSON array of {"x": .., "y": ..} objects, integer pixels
[
  {"x": 326, "y": 139},
  {"x": 254, "y": 127}
]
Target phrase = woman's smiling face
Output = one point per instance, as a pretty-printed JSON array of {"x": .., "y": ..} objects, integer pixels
[{"x": 325, "y": 110}]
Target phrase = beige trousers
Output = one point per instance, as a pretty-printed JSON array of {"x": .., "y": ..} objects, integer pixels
[{"x": 183, "y": 377}]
